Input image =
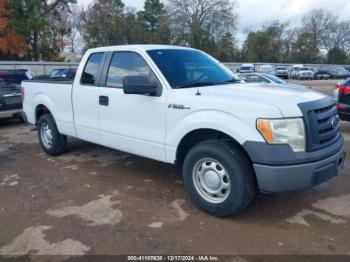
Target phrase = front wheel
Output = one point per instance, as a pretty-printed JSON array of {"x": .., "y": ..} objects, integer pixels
[
  {"x": 219, "y": 178},
  {"x": 51, "y": 141}
]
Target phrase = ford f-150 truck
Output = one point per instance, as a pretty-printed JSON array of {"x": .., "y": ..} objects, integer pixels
[{"x": 181, "y": 106}]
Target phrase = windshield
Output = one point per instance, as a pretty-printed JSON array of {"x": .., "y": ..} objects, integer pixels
[
  {"x": 281, "y": 68},
  {"x": 246, "y": 68},
  {"x": 190, "y": 68},
  {"x": 275, "y": 79}
]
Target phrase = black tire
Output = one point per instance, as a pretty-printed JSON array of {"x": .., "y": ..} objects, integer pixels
[
  {"x": 243, "y": 185},
  {"x": 59, "y": 141}
]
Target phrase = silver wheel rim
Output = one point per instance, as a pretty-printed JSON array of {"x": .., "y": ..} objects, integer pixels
[
  {"x": 46, "y": 135},
  {"x": 211, "y": 180}
]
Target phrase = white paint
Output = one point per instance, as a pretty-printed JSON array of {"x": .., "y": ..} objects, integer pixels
[
  {"x": 177, "y": 205},
  {"x": 73, "y": 167},
  {"x": 10, "y": 180},
  {"x": 97, "y": 212},
  {"x": 14, "y": 183},
  {"x": 156, "y": 225},
  {"x": 32, "y": 241},
  {"x": 339, "y": 206},
  {"x": 299, "y": 218}
]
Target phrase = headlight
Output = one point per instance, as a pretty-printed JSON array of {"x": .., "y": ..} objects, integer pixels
[{"x": 289, "y": 131}]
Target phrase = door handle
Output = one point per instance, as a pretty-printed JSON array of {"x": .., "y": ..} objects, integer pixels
[{"x": 104, "y": 100}]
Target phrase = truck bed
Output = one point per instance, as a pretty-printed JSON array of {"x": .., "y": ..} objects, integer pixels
[{"x": 57, "y": 96}]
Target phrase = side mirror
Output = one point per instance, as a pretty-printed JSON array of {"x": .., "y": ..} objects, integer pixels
[{"x": 139, "y": 85}]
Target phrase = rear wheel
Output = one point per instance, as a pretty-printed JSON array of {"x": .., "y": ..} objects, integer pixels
[
  {"x": 219, "y": 178},
  {"x": 51, "y": 141}
]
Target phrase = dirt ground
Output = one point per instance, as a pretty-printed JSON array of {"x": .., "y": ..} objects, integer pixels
[{"x": 94, "y": 200}]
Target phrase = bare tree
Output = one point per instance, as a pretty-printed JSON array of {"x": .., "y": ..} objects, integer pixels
[
  {"x": 198, "y": 22},
  {"x": 74, "y": 24},
  {"x": 337, "y": 36},
  {"x": 317, "y": 23}
]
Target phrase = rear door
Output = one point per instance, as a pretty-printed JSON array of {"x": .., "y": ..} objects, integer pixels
[
  {"x": 132, "y": 123},
  {"x": 85, "y": 99}
]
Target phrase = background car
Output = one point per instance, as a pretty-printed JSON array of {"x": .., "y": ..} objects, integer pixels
[
  {"x": 266, "y": 69},
  {"x": 302, "y": 73},
  {"x": 246, "y": 68},
  {"x": 67, "y": 74},
  {"x": 267, "y": 79},
  {"x": 322, "y": 74},
  {"x": 344, "y": 100},
  {"x": 282, "y": 72},
  {"x": 341, "y": 73},
  {"x": 59, "y": 74},
  {"x": 10, "y": 92}
]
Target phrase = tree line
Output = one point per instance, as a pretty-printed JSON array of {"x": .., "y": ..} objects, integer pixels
[{"x": 44, "y": 29}]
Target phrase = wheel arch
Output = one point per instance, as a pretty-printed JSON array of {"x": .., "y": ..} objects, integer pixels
[
  {"x": 43, "y": 105},
  {"x": 197, "y": 136},
  {"x": 41, "y": 110}
]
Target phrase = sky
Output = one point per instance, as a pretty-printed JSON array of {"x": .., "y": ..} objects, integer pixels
[{"x": 255, "y": 13}]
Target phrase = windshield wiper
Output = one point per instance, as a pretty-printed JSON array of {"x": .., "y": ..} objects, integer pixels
[{"x": 194, "y": 84}]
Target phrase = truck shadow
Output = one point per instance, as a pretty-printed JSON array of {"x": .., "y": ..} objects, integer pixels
[{"x": 11, "y": 122}]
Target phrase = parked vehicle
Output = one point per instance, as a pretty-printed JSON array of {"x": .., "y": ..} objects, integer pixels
[
  {"x": 322, "y": 74},
  {"x": 341, "y": 73},
  {"x": 179, "y": 105},
  {"x": 64, "y": 74},
  {"x": 266, "y": 69},
  {"x": 10, "y": 96},
  {"x": 267, "y": 79},
  {"x": 282, "y": 71},
  {"x": 246, "y": 68},
  {"x": 302, "y": 73},
  {"x": 59, "y": 74},
  {"x": 343, "y": 90}
]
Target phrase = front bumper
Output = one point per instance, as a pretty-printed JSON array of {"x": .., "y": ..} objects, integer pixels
[{"x": 278, "y": 179}]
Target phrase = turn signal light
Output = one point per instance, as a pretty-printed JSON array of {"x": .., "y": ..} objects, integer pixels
[{"x": 264, "y": 126}]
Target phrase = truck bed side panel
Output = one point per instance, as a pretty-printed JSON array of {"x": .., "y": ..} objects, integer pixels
[{"x": 57, "y": 97}]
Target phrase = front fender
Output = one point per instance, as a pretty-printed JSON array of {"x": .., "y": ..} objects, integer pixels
[{"x": 217, "y": 120}]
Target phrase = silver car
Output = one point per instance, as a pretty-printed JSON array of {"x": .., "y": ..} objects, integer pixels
[{"x": 267, "y": 79}]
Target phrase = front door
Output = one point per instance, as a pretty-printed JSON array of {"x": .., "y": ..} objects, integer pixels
[{"x": 132, "y": 123}]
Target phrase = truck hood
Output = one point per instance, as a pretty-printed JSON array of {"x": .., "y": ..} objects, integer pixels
[{"x": 286, "y": 99}]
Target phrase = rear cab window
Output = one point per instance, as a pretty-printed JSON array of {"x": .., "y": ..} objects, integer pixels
[{"x": 91, "y": 70}]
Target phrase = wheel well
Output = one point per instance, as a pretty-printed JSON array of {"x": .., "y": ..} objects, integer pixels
[
  {"x": 200, "y": 135},
  {"x": 40, "y": 111}
]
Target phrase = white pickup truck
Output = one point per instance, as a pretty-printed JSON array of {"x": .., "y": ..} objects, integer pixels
[{"x": 179, "y": 105}]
